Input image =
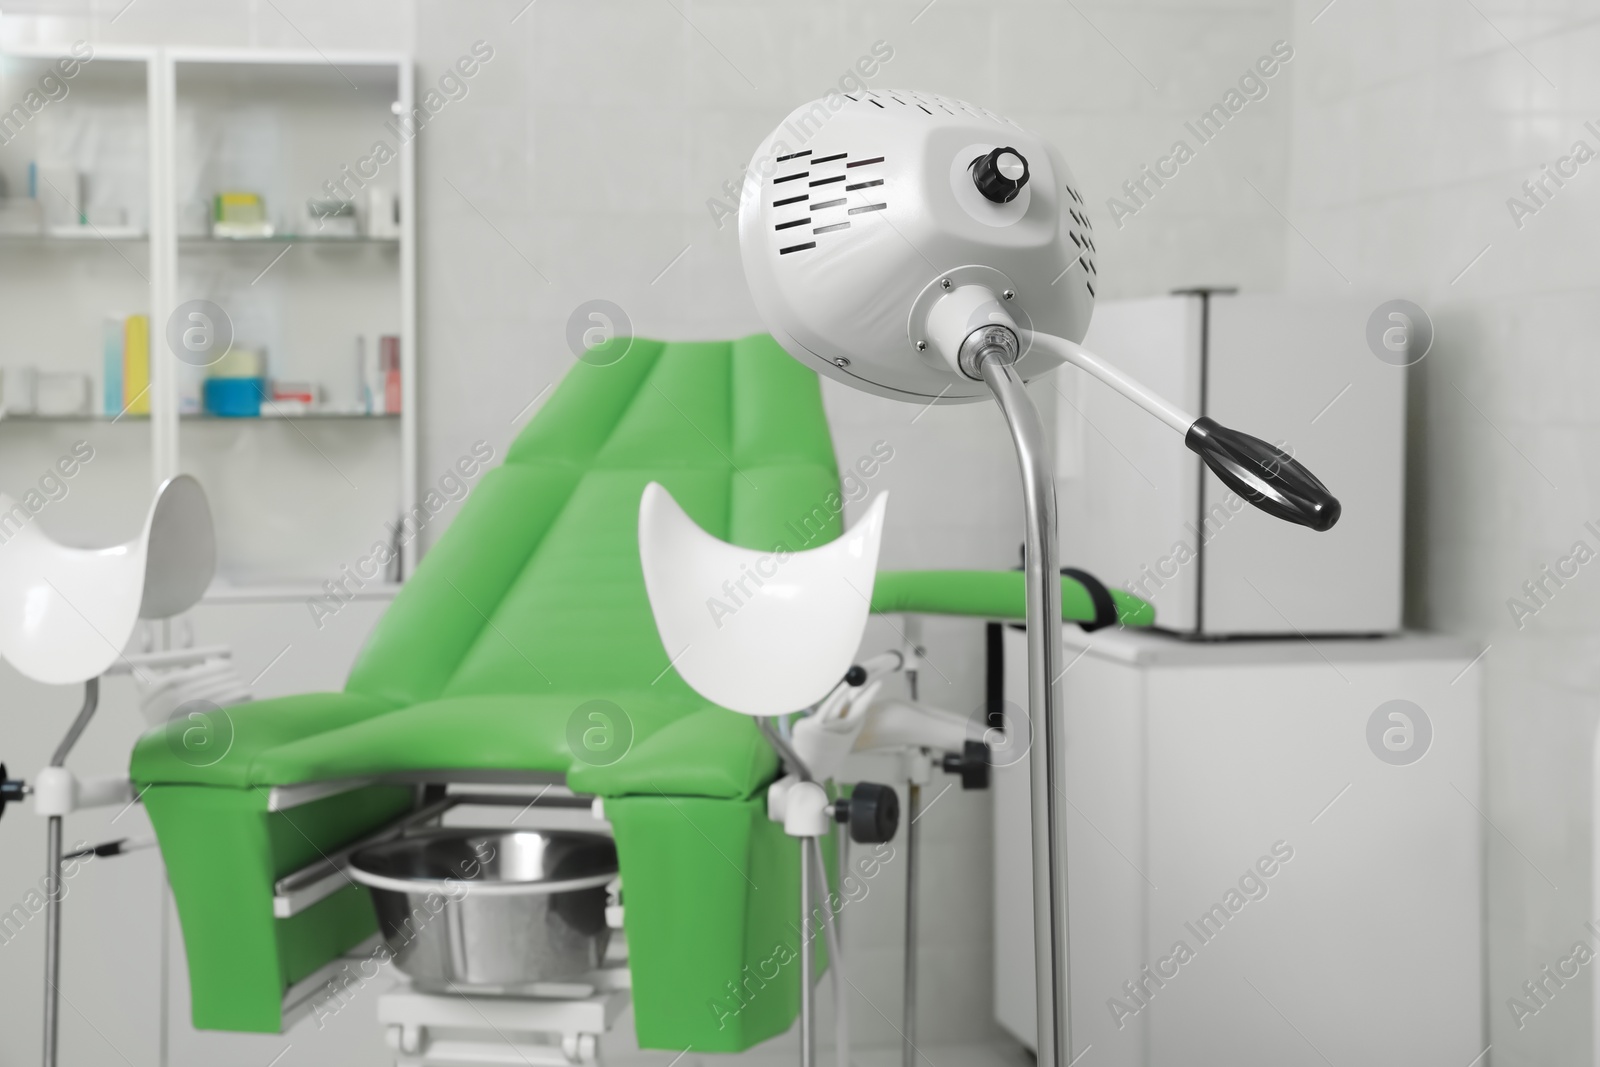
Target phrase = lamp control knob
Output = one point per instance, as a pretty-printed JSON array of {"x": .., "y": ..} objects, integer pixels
[
  {"x": 871, "y": 810},
  {"x": 1000, "y": 175}
]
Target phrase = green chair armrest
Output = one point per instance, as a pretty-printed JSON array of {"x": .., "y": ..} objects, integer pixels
[{"x": 990, "y": 595}]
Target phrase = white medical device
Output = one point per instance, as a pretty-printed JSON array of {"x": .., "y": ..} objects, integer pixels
[
  {"x": 68, "y": 615},
  {"x": 788, "y": 648},
  {"x": 926, "y": 249}
]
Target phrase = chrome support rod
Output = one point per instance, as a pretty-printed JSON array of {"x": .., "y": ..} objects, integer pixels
[
  {"x": 53, "y": 894},
  {"x": 808, "y": 957},
  {"x": 52, "y": 942},
  {"x": 908, "y": 1017},
  {"x": 1044, "y": 703},
  {"x": 808, "y": 962}
]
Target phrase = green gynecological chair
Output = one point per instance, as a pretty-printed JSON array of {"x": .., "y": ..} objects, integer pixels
[{"x": 531, "y": 605}]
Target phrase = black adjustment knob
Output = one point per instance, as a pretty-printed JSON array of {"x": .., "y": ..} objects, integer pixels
[
  {"x": 10, "y": 789},
  {"x": 972, "y": 763},
  {"x": 856, "y": 676},
  {"x": 1000, "y": 175},
  {"x": 873, "y": 812}
]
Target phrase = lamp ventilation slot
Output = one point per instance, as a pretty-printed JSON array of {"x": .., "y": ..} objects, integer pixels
[{"x": 818, "y": 173}]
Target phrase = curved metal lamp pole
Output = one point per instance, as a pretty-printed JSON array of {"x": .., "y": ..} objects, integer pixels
[{"x": 1042, "y": 574}]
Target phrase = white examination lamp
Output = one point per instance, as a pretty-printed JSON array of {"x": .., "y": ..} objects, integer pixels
[{"x": 926, "y": 249}]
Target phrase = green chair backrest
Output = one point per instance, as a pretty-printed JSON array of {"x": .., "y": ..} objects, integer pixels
[{"x": 536, "y": 585}]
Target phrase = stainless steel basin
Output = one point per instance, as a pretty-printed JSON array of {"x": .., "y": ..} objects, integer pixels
[{"x": 491, "y": 909}]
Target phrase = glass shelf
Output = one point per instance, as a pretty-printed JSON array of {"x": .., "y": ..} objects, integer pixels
[
  {"x": 202, "y": 417},
  {"x": 88, "y": 238},
  {"x": 289, "y": 238},
  {"x": 343, "y": 416}
]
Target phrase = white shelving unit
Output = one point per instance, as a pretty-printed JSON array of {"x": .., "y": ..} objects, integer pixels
[
  {"x": 59, "y": 282},
  {"x": 155, "y": 134}
]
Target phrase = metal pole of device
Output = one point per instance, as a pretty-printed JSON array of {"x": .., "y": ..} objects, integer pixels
[
  {"x": 808, "y": 959},
  {"x": 808, "y": 963},
  {"x": 52, "y": 900},
  {"x": 908, "y": 1020},
  {"x": 52, "y": 942},
  {"x": 1044, "y": 701}
]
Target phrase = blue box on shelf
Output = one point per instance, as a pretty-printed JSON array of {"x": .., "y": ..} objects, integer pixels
[{"x": 235, "y": 398}]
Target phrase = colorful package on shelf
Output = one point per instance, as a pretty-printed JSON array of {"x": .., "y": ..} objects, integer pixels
[
  {"x": 389, "y": 363},
  {"x": 136, "y": 365},
  {"x": 295, "y": 398},
  {"x": 239, "y": 362},
  {"x": 236, "y": 384},
  {"x": 239, "y": 214},
  {"x": 369, "y": 376},
  {"x": 111, "y": 391},
  {"x": 234, "y": 398}
]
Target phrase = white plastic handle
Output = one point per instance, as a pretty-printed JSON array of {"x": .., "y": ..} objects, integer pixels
[{"x": 1078, "y": 356}]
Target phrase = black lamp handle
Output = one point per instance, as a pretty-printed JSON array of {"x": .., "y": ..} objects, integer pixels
[{"x": 1264, "y": 475}]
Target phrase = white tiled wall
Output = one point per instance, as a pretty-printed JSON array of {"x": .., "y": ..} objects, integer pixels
[{"x": 1412, "y": 126}]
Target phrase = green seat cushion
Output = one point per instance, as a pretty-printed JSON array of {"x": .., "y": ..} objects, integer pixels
[
  {"x": 223, "y": 747},
  {"x": 650, "y": 741}
]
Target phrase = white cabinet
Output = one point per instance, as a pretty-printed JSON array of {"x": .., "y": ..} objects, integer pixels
[
  {"x": 1357, "y": 939},
  {"x": 1143, "y": 513}
]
